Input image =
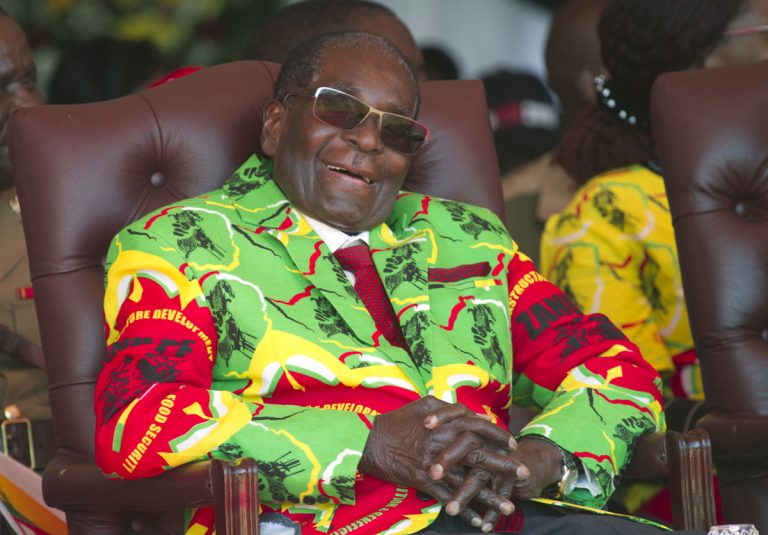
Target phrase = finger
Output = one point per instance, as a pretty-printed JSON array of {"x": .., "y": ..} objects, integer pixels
[
  {"x": 469, "y": 449},
  {"x": 487, "y": 430},
  {"x": 503, "y": 487},
  {"x": 503, "y": 464},
  {"x": 446, "y": 414},
  {"x": 473, "y": 423},
  {"x": 474, "y": 481},
  {"x": 485, "y": 496},
  {"x": 470, "y": 516},
  {"x": 490, "y": 519},
  {"x": 443, "y": 493},
  {"x": 454, "y": 453},
  {"x": 468, "y": 420}
]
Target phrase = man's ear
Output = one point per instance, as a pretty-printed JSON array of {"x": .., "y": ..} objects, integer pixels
[{"x": 274, "y": 118}]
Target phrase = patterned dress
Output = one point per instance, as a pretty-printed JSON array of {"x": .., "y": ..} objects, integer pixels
[
  {"x": 233, "y": 331},
  {"x": 612, "y": 250}
]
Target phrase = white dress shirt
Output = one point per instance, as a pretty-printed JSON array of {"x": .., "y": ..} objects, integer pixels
[{"x": 335, "y": 239}]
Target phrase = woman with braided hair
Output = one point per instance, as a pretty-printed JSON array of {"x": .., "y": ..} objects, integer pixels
[{"x": 613, "y": 248}]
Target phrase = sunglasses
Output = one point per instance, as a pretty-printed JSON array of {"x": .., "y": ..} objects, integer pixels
[{"x": 345, "y": 112}]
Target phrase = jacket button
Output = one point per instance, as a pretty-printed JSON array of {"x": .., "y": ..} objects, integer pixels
[{"x": 157, "y": 179}]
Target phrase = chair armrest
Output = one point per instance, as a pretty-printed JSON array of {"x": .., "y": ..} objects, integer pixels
[
  {"x": 236, "y": 496},
  {"x": 684, "y": 460},
  {"x": 649, "y": 460},
  {"x": 71, "y": 482},
  {"x": 77, "y": 486},
  {"x": 691, "y": 484},
  {"x": 742, "y": 437}
]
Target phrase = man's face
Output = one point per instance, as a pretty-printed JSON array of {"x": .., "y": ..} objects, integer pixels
[
  {"x": 345, "y": 178},
  {"x": 17, "y": 84}
]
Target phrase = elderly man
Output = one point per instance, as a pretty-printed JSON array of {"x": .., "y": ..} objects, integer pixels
[
  {"x": 357, "y": 340},
  {"x": 23, "y": 386}
]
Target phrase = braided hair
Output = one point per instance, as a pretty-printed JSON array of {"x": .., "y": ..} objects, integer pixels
[{"x": 640, "y": 40}]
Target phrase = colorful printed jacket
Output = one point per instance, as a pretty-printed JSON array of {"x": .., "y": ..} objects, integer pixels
[
  {"x": 232, "y": 331},
  {"x": 612, "y": 250}
]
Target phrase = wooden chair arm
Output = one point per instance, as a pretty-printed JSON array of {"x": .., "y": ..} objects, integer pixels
[
  {"x": 97, "y": 505},
  {"x": 684, "y": 462},
  {"x": 236, "y": 496},
  {"x": 741, "y": 437},
  {"x": 691, "y": 485}
]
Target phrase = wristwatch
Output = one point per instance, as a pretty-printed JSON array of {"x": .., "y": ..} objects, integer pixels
[{"x": 569, "y": 472}]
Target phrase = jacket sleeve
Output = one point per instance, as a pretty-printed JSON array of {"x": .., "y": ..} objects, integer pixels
[
  {"x": 158, "y": 404},
  {"x": 596, "y": 393}
]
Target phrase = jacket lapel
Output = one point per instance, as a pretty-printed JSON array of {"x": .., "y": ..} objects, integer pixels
[
  {"x": 402, "y": 256},
  {"x": 264, "y": 207},
  {"x": 316, "y": 263}
]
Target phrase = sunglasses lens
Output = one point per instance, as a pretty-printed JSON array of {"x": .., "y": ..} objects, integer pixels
[
  {"x": 402, "y": 134},
  {"x": 343, "y": 111},
  {"x": 339, "y": 110}
]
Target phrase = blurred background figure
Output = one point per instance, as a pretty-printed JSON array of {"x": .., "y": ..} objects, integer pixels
[
  {"x": 438, "y": 64},
  {"x": 524, "y": 116},
  {"x": 537, "y": 187},
  {"x": 102, "y": 69},
  {"x": 23, "y": 386},
  {"x": 746, "y": 40},
  {"x": 480, "y": 37},
  {"x": 572, "y": 56},
  {"x": 279, "y": 33},
  {"x": 612, "y": 249},
  {"x": 526, "y": 123}
]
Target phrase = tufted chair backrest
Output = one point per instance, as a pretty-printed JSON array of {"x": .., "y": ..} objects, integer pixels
[
  {"x": 711, "y": 132},
  {"x": 85, "y": 171}
]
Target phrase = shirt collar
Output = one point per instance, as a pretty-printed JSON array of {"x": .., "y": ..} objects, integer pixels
[{"x": 333, "y": 237}]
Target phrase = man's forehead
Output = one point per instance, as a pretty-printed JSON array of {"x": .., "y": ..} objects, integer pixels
[
  {"x": 387, "y": 100},
  {"x": 381, "y": 78}
]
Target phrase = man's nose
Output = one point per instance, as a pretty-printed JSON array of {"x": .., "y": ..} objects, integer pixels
[{"x": 366, "y": 135}]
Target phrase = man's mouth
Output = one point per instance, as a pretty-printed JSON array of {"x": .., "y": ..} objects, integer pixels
[{"x": 349, "y": 172}]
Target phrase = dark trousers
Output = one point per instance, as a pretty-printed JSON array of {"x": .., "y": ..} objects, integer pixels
[{"x": 543, "y": 520}]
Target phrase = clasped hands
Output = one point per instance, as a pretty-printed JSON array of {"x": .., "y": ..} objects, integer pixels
[{"x": 459, "y": 458}]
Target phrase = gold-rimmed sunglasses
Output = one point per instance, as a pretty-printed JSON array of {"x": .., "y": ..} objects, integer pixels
[{"x": 345, "y": 112}]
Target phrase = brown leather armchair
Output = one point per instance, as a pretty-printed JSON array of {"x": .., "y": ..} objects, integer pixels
[
  {"x": 85, "y": 171},
  {"x": 711, "y": 134}
]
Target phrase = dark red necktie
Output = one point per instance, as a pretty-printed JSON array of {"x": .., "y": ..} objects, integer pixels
[{"x": 356, "y": 258}]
